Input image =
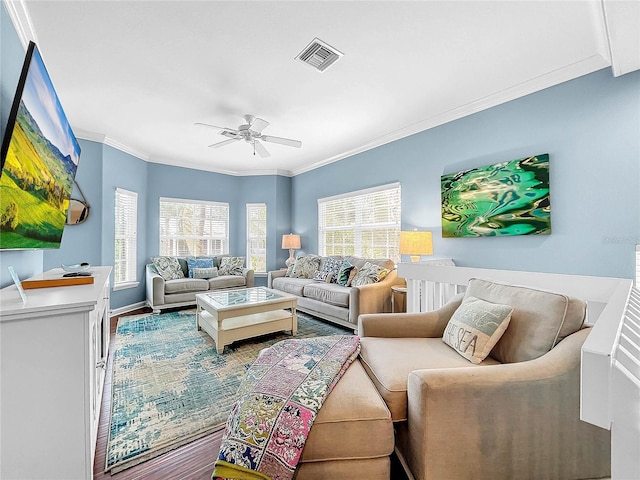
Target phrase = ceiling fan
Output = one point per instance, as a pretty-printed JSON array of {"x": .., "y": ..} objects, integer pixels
[{"x": 251, "y": 132}]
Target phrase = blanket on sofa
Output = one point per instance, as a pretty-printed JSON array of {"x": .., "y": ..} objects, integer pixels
[{"x": 277, "y": 403}]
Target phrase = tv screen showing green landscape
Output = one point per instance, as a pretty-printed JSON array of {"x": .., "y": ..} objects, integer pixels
[{"x": 40, "y": 157}]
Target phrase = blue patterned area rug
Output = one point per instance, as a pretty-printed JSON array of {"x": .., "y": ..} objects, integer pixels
[{"x": 170, "y": 387}]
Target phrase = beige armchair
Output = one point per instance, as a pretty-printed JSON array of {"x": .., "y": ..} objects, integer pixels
[{"x": 515, "y": 415}]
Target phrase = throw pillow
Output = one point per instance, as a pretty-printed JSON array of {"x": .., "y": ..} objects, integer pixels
[
  {"x": 475, "y": 327},
  {"x": 331, "y": 265},
  {"x": 306, "y": 267},
  {"x": 321, "y": 276},
  {"x": 198, "y": 262},
  {"x": 168, "y": 267},
  {"x": 231, "y": 266},
  {"x": 368, "y": 274},
  {"x": 343, "y": 273},
  {"x": 205, "y": 272},
  {"x": 352, "y": 275}
]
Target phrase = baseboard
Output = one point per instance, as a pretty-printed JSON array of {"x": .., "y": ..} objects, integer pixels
[{"x": 127, "y": 308}]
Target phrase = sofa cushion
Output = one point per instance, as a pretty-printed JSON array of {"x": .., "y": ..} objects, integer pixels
[
  {"x": 408, "y": 354},
  {"x": 295, "y": 286},
  {"x": 540, "y": 319},
  {"x": 328, "y": 293},
  {"x": 475, "y": 327},
  {"x": 352, "y": 412},
  {"x": 231, "y": 266},
  {"x": 226, "y": 281},
  {"x": 204, "y": 272},
  {"x": 368, "y": 274},
  {"x": 305, "y": 266},
  {"x": 199, "y": 262},
  {"x": 185, "y": 285},
  {"x": 168, "y": 267}
]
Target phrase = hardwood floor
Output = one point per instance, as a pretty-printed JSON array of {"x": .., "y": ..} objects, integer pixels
[{"x": 189, "y": 462}]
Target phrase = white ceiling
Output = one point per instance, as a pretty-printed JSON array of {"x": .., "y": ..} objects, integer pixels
[{"x": 137, "y": 75}]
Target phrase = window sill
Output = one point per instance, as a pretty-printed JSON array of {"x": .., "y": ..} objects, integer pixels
[
  {"x": 260, "y": 274},
  {"x": 125, "y": 285}
]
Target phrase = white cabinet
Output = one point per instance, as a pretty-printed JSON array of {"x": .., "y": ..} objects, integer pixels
[{"x": 53, "y": 351}]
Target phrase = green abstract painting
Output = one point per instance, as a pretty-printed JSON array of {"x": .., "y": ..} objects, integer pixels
[{"x": 509, "y": 198}]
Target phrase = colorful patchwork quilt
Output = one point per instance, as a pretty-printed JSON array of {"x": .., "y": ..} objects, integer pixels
[{"x": 277, "y": 403}]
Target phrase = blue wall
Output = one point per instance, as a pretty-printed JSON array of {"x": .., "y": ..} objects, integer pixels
[
  {"x": 591, "y": 129},
  {"x": 25, "y": 263},
  {"x": 589, "y": 126}
]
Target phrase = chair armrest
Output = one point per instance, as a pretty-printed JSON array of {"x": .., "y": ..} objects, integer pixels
[
  {"x": 530, "y": 407},
  {"x": 249, "y": 276},
  {"x": 408, "y": 325},
  {"x": 155, "y": 288},
  {"x": 275, "y": 274},
  {"x": 373, "y": 298}
]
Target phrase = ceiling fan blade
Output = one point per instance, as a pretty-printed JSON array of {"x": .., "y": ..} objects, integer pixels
[
  {"x": 263, "y": 152},
  {"x": 198, "y": 124},
  {"x": 224, "y": 142},
  {"x": 282, "y": 141},
  {"x": 258, "y": 125}
]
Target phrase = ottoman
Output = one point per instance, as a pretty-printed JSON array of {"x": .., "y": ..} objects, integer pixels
[{"x": 352, "y": 436}]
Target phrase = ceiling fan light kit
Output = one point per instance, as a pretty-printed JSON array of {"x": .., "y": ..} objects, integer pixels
[{"x": 251, "y": 132}]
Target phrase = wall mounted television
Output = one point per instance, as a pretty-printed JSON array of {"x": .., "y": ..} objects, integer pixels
[
  {"x": 39, "y": 159},
  {"x": 504, "y": 199}
]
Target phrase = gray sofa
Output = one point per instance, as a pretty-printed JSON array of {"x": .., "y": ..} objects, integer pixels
[
  {"x": 336, "y": 303},
  {"x": 182, "y": 292}
]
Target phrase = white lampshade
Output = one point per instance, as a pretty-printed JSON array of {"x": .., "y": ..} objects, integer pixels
[{"x": 291, "y": 242}]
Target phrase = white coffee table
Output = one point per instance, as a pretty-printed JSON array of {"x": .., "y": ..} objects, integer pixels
[{"x": 230, "y": 315}]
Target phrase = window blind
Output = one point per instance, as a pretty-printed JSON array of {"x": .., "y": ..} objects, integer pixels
[
  {"x": 126, "y": 236},
  {"x": 364, "y": 223},
  {"x": 257, "y": 236},
  {"x": 193, "y": 227}
]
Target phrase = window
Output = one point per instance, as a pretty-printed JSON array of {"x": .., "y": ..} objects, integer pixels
[
  {"x": 365, "y": 223},
  {"x": 193, "y": 227},
  {"x": 257, "y": 236},
  {"x": 126, "y": 237}
]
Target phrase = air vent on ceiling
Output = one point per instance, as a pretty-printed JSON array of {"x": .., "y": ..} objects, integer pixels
[{"x": 319, "y": 55}]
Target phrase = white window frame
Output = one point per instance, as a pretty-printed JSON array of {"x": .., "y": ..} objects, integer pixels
[
  {"x": 214, "y": 227},
  {"x": 360, "y": 224},
  {"x": 125, "y": 232},
  {"x": 256, "y": 238}
]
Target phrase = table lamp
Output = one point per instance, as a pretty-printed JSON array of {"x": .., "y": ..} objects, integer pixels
[
  {"x": 291, "y": 242},
  {"x": 416, "y": 243}
]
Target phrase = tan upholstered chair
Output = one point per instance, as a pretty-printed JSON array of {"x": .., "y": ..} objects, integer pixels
[{"x": 515, "y": 415}]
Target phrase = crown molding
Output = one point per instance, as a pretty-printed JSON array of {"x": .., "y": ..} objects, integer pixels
[
  {"x": 534, "y": 84},
  {"x": 19, "y": 15}
]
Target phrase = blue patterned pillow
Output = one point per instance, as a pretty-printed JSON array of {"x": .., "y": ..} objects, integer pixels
[
  {"x": 199, "y": 262},
  {"x": 332, "y": 266}
]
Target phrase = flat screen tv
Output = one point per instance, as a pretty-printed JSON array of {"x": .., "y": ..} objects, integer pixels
[
  {"x": 504, "y": 199},
  {"x": 39, "y": 159}
]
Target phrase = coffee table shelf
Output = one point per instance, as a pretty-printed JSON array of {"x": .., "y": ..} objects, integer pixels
[{"x": 245, "y": 313}]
